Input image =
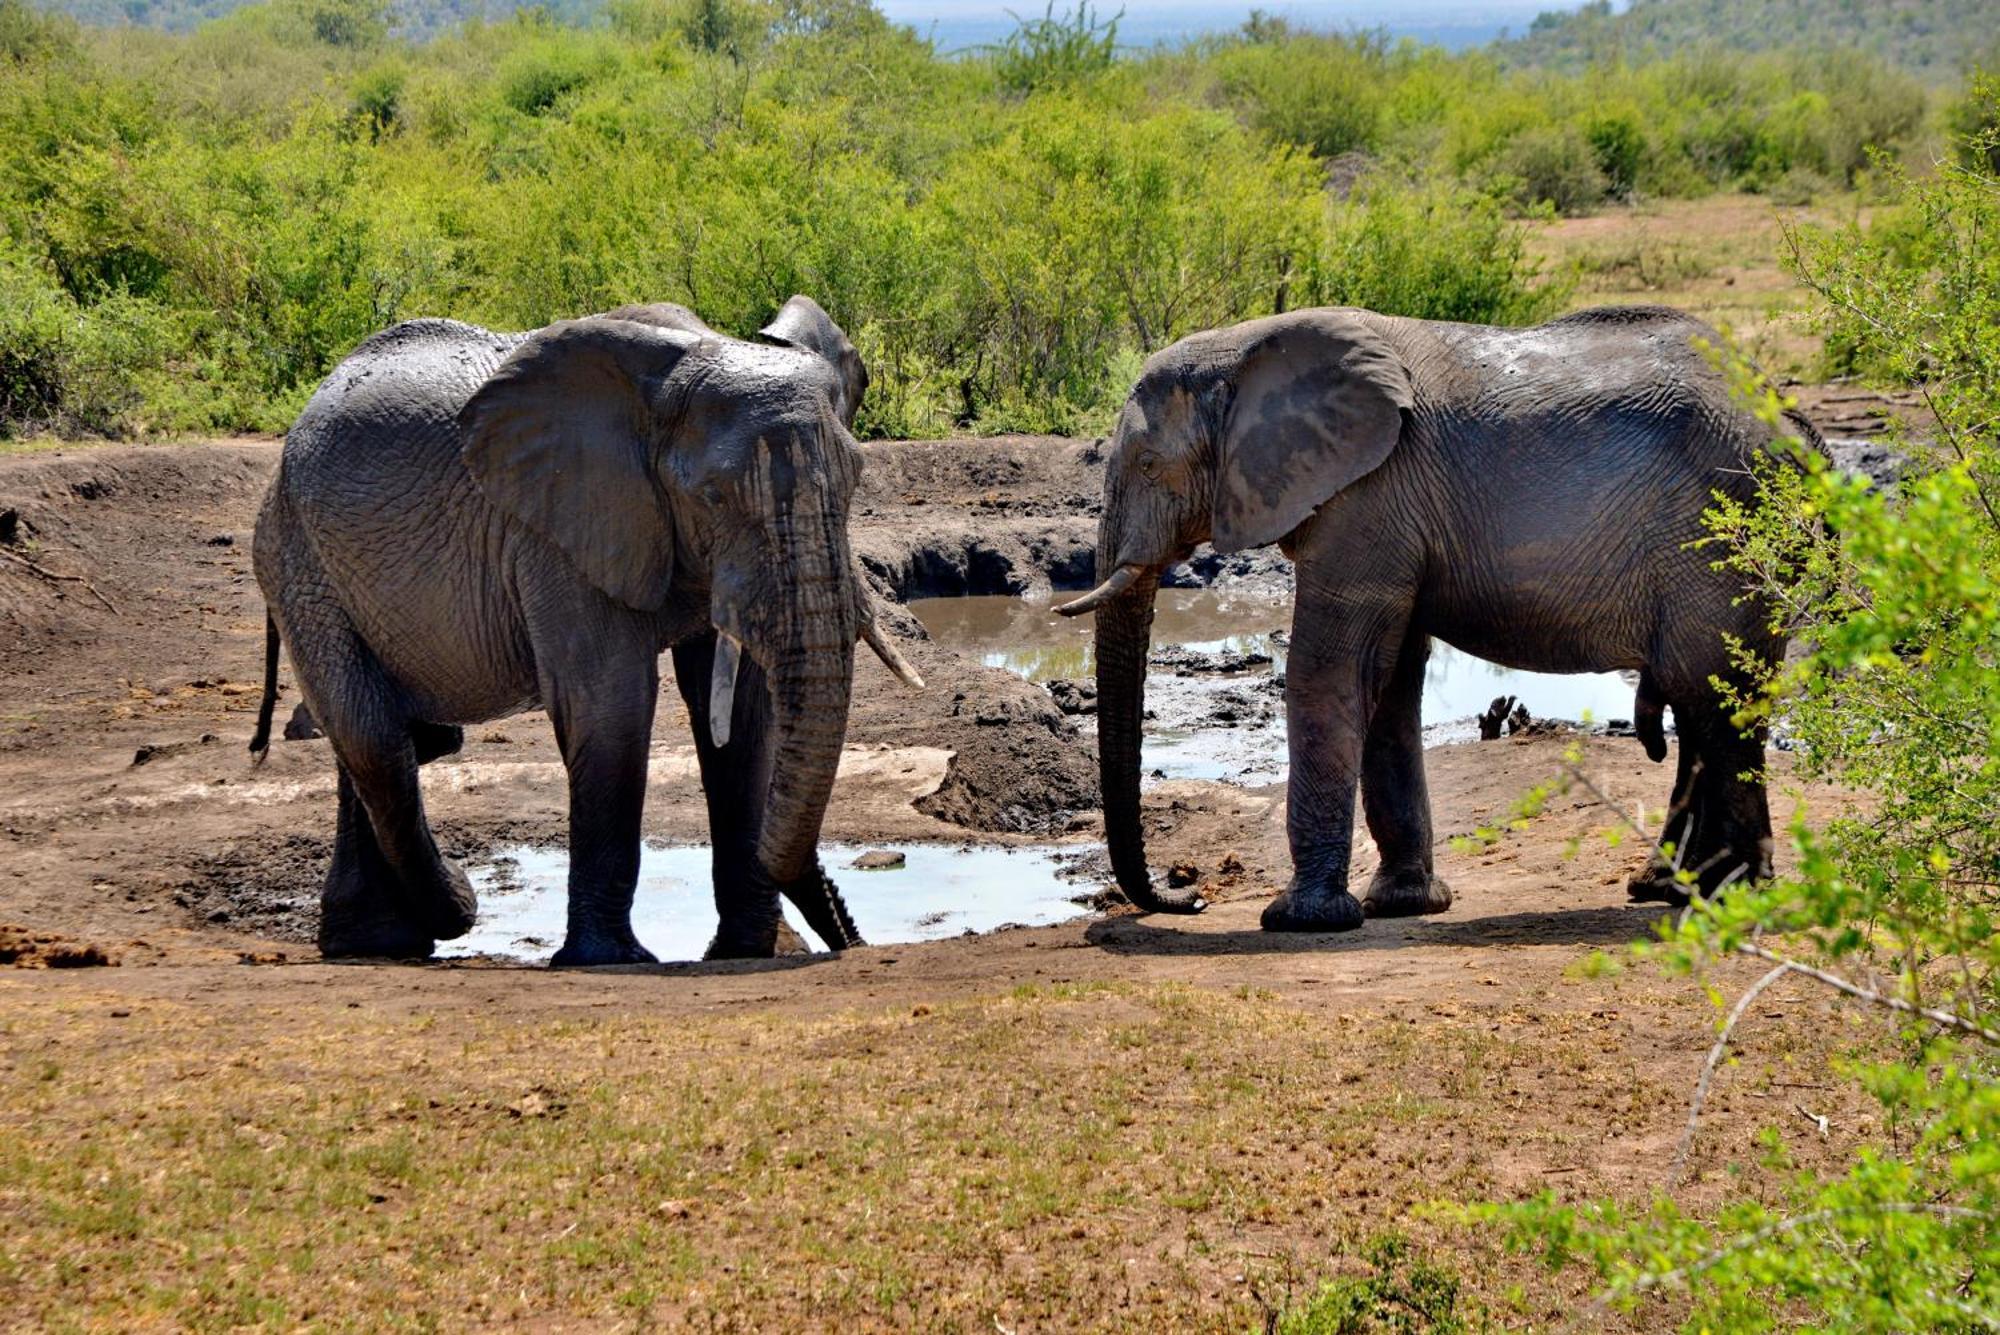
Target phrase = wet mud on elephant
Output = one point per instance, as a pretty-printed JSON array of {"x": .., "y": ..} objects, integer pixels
[
  {"x": 466, "y": 524},
  {"x": 1527, "y": 495}
]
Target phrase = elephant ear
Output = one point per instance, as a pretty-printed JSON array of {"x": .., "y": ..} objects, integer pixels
[
  {"x": 1319, "y": 404},
  {"x": 801, "y": 323},
  {"x": 560, "y": 436}
]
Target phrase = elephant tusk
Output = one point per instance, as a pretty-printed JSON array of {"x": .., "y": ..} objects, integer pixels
[
  {"x": 1121, "y": 580},
  {"x": 891, "y": 655},
  {"x": 722, "y": 686}
]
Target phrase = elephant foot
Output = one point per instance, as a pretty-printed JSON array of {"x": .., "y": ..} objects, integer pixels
[
  {"x": 1150, "y": 900},
  {"x": 746, "y": 941},
  {"x": 1328, "y": 911},
  {"x": 1656, "y": 885},
  {"x": 378, "y": 937},
  {"x": 589, "y": 950},
  {"x": 451, "y": 908},
  {"x": 1405, "y": 894}
]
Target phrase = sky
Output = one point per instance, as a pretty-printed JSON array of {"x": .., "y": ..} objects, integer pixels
[{"x": 959, "y": 23}]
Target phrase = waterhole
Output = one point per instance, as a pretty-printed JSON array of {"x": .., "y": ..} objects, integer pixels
[
  {"x": 1206, "y": 724},
  {"x": 940, "y": 891}
]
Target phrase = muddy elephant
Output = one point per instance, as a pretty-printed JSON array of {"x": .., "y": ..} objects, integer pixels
[
  {"x": 466, "y": 524},
  {"x": 1527, "y": 495}
]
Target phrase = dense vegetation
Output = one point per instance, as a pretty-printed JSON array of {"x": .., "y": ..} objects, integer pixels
[
  {"x": 1932, "y": 37},
  {"x": 194, "y": 228},
  {"x": 1893, "y": 599},
  {"x": 417, "y": 19}
]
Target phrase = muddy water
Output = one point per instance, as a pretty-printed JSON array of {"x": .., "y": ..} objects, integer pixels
[
  {"x": 1231, "y": 726},
  {"x": 1030, "y": 639},
  {"x": 941, "y": 891}
]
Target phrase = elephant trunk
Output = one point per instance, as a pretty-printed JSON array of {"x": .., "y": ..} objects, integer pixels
[
  {"x": 811, "y": 674},
  {"x": 1124, "y": 638}
]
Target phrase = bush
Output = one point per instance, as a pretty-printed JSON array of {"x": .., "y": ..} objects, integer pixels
[
  {"x": 67, "y": 369},
  {"x": 1433, "y": 253},
  {"x": 1975, "y": 124},
  {"x": 541, "y": 73},
  {"x": 1551, "y": 167},
  {"x": 1051, "y": 51},
  {"x": 1322, "y": 94}
]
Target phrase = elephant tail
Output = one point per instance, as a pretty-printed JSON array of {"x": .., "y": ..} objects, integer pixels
[
  {"x": 260, "y": 743},
  {"x": 1649, "y": 708}
]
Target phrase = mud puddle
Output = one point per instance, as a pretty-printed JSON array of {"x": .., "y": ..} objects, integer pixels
[
  {"x": 1215, "y": 689},
  {"x": 941, "y": 890}
]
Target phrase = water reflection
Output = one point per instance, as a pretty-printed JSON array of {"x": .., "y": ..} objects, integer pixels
[{"x": 1030, "y": 639}]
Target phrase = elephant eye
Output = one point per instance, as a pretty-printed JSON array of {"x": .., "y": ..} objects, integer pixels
[
  {"x": 1149, "y": 465},
  {"x": 710, "y": 493}
]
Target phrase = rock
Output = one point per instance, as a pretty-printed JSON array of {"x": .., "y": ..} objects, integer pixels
[
  {"x": 1073, "y": 697},
  {"x": 1182, "y": 874},
  {"x": 1868, "y": 458},
  {"x": 879, "y": 859}
]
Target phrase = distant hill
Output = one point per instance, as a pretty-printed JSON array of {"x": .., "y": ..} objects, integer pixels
[{"x": 1931, "y": 38}]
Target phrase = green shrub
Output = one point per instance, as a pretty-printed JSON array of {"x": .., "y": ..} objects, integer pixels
[
  {"x": 378, "y": 97},
  {"x": 65, "y": 368},
  {"x": 1323, "y": 94},
  {"x": 28, "y": 35},
  {"x": 1618, "y": 143},
  {"x": 1052, "y": 51},
  {"x": 1404, "y": 1293},
  {"x": 541, "y": 72},
  {"x": 1551, "y": 166},
  {"x": 1975, "y": 123},
  {"x": 1430, "y": 252}
]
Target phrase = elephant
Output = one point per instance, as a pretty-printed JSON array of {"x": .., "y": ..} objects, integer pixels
[
  {"x": 1528, "y": 495},
  {"x": 466, "y": 524}
]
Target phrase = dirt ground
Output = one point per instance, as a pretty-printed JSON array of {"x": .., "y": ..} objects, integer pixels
[{"x": 1123, "y": 1121}]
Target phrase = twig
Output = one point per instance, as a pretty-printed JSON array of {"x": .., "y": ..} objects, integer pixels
[
  {"x": 1715, "y": 1054},
  {"x": 1680, "y": 1274},
  {"x": 43, "y": 572},
  {"x": 1943, "y": 1018},
  {"x": 1819, "y": 1120}
]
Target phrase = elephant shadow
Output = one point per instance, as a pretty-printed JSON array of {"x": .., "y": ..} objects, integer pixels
[
  {"x": 664, "y": 968},
  {"x": 1605, "y": 925}
]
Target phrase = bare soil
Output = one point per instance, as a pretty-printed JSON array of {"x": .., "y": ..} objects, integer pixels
[{"x": 1124, "y": 1121}]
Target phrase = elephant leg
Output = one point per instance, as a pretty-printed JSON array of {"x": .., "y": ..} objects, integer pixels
[
  {"x": 1333, "y": 682},
  {"x": 604, "y": 725},
  {"x": 363, "y": 906},
  {"x": 1730, "y": 838},
  {"x": 1719, "y": 820},
  {"x": 734, "y": 779},
  {"x": 1395, "y": 798},
  {"x": 377, "y": 746},
  {"x": 1657, "y": 884}
]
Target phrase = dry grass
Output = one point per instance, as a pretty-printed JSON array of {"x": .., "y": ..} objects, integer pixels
[
  {"x": 1716, "y": 257},
  {"x": 1052, "y": 1157}
]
